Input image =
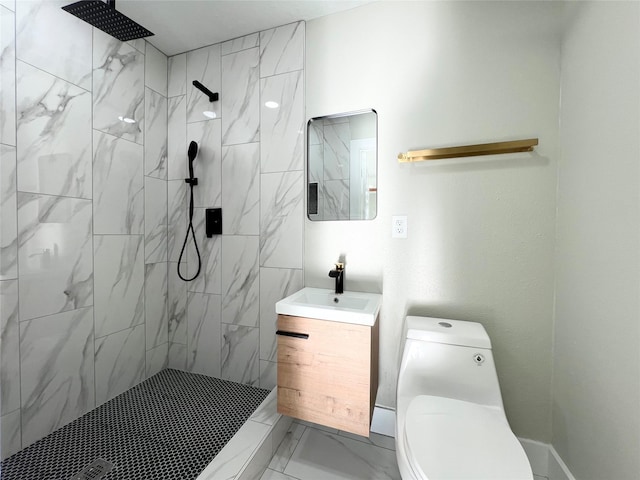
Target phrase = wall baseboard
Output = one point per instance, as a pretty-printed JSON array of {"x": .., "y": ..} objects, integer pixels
[{"x": 544, "y": 460}]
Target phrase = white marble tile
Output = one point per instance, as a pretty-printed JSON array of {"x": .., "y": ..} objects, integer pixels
[
  {"x": 177, "y": 306},
  {"x": 10, "y": 4},
  {"x": 57, "y": 371},
  {"x": 240, "y": 352},
  {"x": 268, "y": 374},
  {"x": 118, "y": 88},
  {"x": 155, "y": 70},
  {"x": 203, "y": 65},
  {"x": 53, "y": 135},
  {"x": 157, "y": 359},
  {"x": 55, "y": 254},
  {"x": 177, "y": 356},
  {"x": 139, "y": 44},
  {"x": 208, "y": 163},
  {"x": 335, "y": 195},
  {"x": 273, "y": 475},
  {"x": 235, "y": 454},
  {"x": 266, "y": 412},
  {"x": 203, "y": 334},
  {"x": 177, "y": 218},
  {"x": 275, "y": 284},
  {"x": 240, "y": 43},
  {"x": 10, "y": 434},
  {"x": 69, "y": 56},
  {"x": 259, "y": 460},
  {"x": 280, "y": 429},
  {"x": 9, "y": 341},
  {"x": 282, "y": 128},
  {"x": 118, "y": 180},
  {"x": 374, "y": 439},
  {"x": 155, "y": 135},
  {"x": 7, "y": 77},
  {"x": 210, "y": 278},
  {"x": 241, "y": 189},
  {"x": 118, "y": 262},
  {"x": 336, "y": 151},
  {"x": 282, "y": 49},
  {"x": 8, "y": 213},
  {"x": 177, "y": 138},
  {"x": 281, "y": 219},
  {"x": 331, "y": 457},
  {"x": 241, "y": 99},
  {"x": 240, "y": 280},
  {"x": 323, "y": 428},
  {"x": 287, "y": 447},
  {"x": 177, "y": 66},
  {"x": 120, "y": 362},
  {"x": 315, "y": 163},
  {"x": 155, "y": 220},
  {"x": 155, "y": 303}
]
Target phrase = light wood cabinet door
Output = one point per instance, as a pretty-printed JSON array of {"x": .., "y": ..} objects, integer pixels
[{"x": 327, "y": 372}]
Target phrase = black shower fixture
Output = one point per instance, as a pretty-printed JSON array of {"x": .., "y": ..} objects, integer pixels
[
  {"x": 103, "y": 15},
  {"x": 213, "y": 97}
]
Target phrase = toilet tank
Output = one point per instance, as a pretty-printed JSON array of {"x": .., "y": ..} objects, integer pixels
[{"x": 448, "y": 358}]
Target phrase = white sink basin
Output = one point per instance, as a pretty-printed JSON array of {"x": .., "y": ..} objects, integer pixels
[{"x": 348, "y": 307}]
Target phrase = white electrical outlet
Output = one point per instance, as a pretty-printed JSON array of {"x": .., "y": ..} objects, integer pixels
[{"x": 399, "y": 226}]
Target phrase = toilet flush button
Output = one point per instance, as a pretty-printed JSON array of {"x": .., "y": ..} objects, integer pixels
[{"x": 478, "y": 358}]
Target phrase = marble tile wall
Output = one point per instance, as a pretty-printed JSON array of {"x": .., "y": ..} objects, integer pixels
[
  {"x": 250, "y": 163},
  {"x": 84, "y": 287}
]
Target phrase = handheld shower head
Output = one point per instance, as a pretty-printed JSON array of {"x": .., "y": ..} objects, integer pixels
[{"x": 191, "y": 153}]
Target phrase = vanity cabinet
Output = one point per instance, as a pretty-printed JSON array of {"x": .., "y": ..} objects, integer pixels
[{"x": 328, "y": 372}]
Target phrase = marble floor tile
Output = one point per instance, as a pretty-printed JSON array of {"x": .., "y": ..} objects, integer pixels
[
  {"x": 273, "y": 475},
  {"x": 331, "y": 457},
  {"x": 287, "y": 447},
  {"x": 374, "y": 439}
]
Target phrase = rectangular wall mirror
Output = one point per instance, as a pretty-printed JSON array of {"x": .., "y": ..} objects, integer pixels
[{"x": 342, "y": 166}]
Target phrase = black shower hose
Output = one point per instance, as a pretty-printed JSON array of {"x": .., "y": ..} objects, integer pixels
[{"x": 186, "y": 238}]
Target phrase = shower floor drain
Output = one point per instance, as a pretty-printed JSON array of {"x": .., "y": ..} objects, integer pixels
[{"x": 94, "y": 471}]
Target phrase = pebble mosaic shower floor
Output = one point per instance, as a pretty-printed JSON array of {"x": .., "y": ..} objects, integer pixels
[{"x": 168, "y": 427}]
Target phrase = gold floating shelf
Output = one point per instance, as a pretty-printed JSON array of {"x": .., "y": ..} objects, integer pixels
[{"x": 513, "y": 146}]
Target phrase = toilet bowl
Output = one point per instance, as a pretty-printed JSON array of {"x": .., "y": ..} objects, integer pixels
[{"x": 450, "y": 420}]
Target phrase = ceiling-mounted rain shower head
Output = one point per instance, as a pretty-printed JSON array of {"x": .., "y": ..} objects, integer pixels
[{"x": 105, "y": 17}]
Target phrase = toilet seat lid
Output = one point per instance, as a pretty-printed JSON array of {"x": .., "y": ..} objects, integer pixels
[{"x": 454, "y": 439}]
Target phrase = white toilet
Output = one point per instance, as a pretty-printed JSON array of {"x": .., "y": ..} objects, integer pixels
[{"x": 450, "y": 421}]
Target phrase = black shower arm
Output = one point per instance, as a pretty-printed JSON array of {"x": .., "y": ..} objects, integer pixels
[{"x": 213, "y": 97}]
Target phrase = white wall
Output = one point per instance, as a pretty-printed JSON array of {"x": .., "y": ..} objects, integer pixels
[
  {"x": 481, "y": 230},
  {"x": 596, "y": 387}
]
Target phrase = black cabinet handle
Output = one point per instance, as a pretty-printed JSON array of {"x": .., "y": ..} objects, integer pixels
[{"x": 292, "y": 334}]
